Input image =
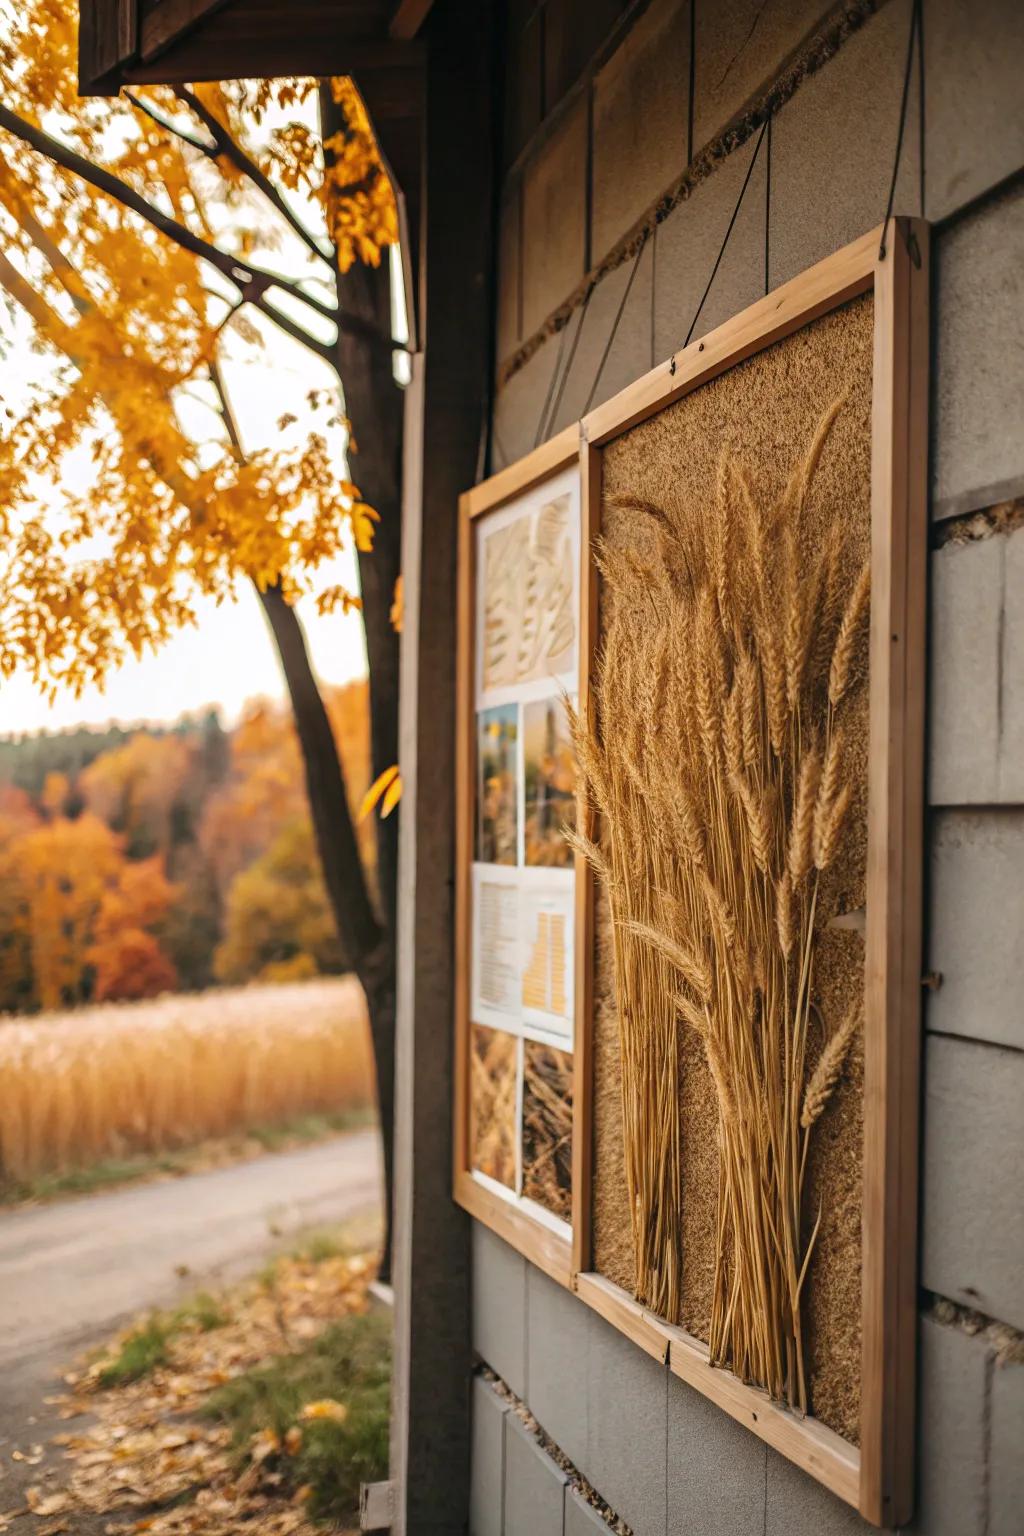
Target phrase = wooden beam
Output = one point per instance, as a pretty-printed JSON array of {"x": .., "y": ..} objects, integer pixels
[
  {"x": 165, "y": 22},
  {"x": 106, "y": 39},
  {"x": 445, "y": 407},
  {"x": 892, "y": 965},
  {"x": 211, "y": 52},
  {"x": 409, "y": 17}
]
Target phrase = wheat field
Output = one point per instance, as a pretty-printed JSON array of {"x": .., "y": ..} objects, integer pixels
[{"x": 126, "y": 1078}]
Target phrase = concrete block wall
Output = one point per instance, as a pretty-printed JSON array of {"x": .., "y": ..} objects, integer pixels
[{"x": 662, "y": 1457}]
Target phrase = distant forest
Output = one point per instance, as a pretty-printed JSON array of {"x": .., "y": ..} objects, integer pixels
[{"x": 135, "y": 861}]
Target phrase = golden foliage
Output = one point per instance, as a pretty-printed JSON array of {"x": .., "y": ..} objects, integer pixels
[
  {"x": 358, "y": 195},
  {"x": 715, "y": 761},
  {"x": 134, "y": 327},
  {"x": 145, "y": 1077}
]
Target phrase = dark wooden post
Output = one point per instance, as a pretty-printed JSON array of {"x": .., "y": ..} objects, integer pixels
[{"x": 444, "y": 414}]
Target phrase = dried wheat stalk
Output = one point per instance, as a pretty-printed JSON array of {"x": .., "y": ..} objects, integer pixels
[{"x": 714, "y": 761}]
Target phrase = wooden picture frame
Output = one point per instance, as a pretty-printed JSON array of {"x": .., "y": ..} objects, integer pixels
[
  {"x": 543, "y": 1242},
  {"x": 877, "y": 1477}
]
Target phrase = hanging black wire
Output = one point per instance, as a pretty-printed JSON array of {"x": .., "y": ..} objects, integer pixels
[
  {"x": 767, "y": 198},
  {"x": 915, "y": 28},
  {"x": 732, "y": 221},
  {"x": 654, "y": 281},
  {"x": 569, "y": 361},
  {"x": 542, "y": 421},
  {"x": 615, "y": 325},
  {"x": 920, "y": 105}
]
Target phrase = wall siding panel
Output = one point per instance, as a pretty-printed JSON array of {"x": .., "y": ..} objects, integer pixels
[{"x": 664, "y": 1459}]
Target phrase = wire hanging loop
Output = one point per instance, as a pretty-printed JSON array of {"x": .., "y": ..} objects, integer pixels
[
  {"x": 615, "y": 322},
  {"x": 728, "y": 232},
  {"x": 543, "y": 425},
  {"x": 915, "y": 23}
]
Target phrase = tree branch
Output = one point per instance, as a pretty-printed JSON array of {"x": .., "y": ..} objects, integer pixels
[
  {"x": 228, "y": 415},
  {"x": 322, "y": 349},
  {"x": 169, "y": 127},
  {"x": 225, "y": 145},
  {"x": 252, "y": 282},
  {"x": 64, "y": 271}
]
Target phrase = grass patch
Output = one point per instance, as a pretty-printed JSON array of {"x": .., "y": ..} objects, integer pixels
[
  {"x": 147, "y": 1346},
  {"x": 138, "y": 1354},
  {"x": 114, "y": 1172},
  {"x": 310, "y": 1128},
  {"x": 361, "y": 1233},
  {"x": 330, "y": 1452}
]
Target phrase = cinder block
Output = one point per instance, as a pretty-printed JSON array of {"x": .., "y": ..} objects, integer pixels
[
  {"x": 951, "y": 1433},
  {"x": 974, "y": 125},
  {"x": 487, "y": 1469},
  {"x": 627, "y": 1392},
  {"x": 716, "y": 1468},
  {"x": 534, "y": 1485},
  {"x": 554, "y": 218},
  {"x": 519, "y": 405},
  {"x": 689, "y": 241},
  {"x": 739, "y": 48},
  {"x": 509, "y": 291},
  {"x": 976, "y": 738},
  {"x": 630, "y": 352},
  {"x": 556, "y": 1341},
  {"x": 1006, "y": 1488},
  {"x": 978, "y": 387},
  {"x": 499, "y": 1307},
  {"x": 973, "y": 1249},
  {"x": 797, "y": 1505},
  {"x": 832, "y": 148},
  {"x": 640, "y": 115},
  {"x": 976, "y": 924},
  {"x": 581, "y": 1518}
]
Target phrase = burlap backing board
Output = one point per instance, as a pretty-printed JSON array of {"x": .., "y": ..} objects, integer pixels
[{"x": 762, "y": 413}]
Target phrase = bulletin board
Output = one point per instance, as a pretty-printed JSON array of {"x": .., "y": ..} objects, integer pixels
[
  {"x": 746, "y": 886},
  {"x": 519, "y": 623}
]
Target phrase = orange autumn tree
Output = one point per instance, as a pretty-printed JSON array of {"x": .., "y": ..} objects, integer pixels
[
  {"x": 87, "y": 913},
  {"x": 126, "y": 953},
  {"x": 148, "y": 240},
  {"x": 133, "y": 788}
]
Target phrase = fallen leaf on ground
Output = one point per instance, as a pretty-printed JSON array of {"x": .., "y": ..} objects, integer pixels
[
  {"x": 146, "y": 1447},
  {"x": 325, "y": 1408},
  {"x": 41, "y": 1503}
]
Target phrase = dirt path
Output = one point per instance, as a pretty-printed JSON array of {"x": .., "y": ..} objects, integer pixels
[{"x": 70, "y": 1273}]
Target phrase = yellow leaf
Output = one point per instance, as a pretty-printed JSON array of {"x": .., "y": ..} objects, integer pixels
[
  {"x": 376, "y": 789},
  {"x": 392, "y": 797},
  {"x": 326, "y": 1408}
]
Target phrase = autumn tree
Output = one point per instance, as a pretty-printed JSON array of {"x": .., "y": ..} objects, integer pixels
[
  {"x": 278, "y": 924},
  {"x": 63, "y": 872},
  {"x": 145, "y": 239},
  {"x": 17, "y": 816},
  {"x": 127, "y": 957},
  {"x": 135, "y": 788}
]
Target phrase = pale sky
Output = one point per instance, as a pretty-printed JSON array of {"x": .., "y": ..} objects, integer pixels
[{"x": 229, "y": 657}]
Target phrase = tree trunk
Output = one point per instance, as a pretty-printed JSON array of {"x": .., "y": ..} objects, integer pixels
[
  {"x": 373, "y": 404},
  {"x": 368, "y": 947}
]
